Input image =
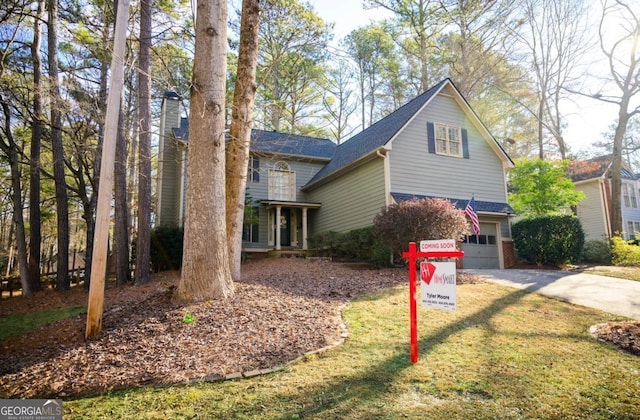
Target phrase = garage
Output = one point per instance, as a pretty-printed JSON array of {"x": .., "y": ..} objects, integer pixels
[{"x": 481, "y": 251}]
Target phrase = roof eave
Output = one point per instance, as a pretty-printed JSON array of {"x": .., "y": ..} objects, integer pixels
[
  {"x": 291, "y": 155},
  {"x": 338, "y": 172}
]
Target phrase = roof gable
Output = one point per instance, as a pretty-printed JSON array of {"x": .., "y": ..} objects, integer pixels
[
  {"x": 376, "y": 135},
  {"x": 385, "y": 130}
]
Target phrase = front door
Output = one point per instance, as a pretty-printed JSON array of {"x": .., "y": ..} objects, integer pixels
[{"x": 285, "y": 227}]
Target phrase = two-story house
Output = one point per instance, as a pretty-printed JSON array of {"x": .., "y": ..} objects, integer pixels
[
  {"x": 433, "y": 146},
  {"x": 593, "y": 178}
]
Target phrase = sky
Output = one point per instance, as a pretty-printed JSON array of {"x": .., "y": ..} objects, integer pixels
[{"x": 587, "y": 119}]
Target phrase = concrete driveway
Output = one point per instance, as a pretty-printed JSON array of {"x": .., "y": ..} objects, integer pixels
[{"x": 616, "y": 296}]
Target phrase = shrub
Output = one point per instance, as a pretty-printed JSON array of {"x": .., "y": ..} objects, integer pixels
[
  {"x": 419, "y": 219},
  {"x": 597, "y": 252},
  {"x": 325, "y": 243},
  {"x": 166, "y": 248},
  {"x": 624, "y": 253},
  {"x": 357, "y": 244},
  {"x": 550, "y": 239}
]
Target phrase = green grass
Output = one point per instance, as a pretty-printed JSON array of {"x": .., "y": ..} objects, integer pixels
[
  {"x": 629, "y": 273},
  {"x": 12, "y": 325},
  {"x": 503, "y": 354}
]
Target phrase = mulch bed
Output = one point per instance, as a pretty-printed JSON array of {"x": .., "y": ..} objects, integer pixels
[{"x": 282, "y": 310}]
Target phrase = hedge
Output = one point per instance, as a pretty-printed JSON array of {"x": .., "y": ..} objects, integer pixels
[{"x": 549, "y": 239}]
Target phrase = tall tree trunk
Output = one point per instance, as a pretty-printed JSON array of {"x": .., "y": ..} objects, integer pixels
[
  {"x": 62, "y": 210},
  {"x": 362, "y": 94},
  {"x": 143, "y": 242},
  {"x": 616, "y": 166},
  {"x": 11, "y": 150},
  {"x": 540, "y": 122},
  {"x": 35, "y": 236},
  {"x": 237, "y": 158},
  {"x": 121, "y": 235},
  {"x": 276, "y": 110},
  {"x": 624, "y": 65},
  {"x": 205, "y": 261}
]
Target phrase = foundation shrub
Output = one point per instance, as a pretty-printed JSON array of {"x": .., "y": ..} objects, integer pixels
[
  {"x": 419, "y": 219},
  {"x": 166, "y": 248},
  {"x": 598, "y": 252},
  {"x": 549, "y": 239},
  {"x": 355, "y": 245},
  {"x": 625, "y": 253}
]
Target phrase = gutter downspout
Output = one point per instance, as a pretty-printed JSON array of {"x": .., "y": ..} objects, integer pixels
[
  {"x": 382, "y": 153},
  {"x": 605, "y": 191}
]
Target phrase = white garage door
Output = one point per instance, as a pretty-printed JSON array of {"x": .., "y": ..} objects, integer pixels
[{"x": 481, "y": 251}]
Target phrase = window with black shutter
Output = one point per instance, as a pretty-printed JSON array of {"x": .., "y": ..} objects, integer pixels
[{"x": 448, "y": 140}]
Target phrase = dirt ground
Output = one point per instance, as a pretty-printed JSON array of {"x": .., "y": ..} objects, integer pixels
[{"x": 283, "y": 309}]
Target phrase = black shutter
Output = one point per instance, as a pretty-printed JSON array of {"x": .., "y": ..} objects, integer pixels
[
  {"x": 256, "y": 168},
  {"x": 431, "y": 137},
  {"x": 465, "y": 144}
]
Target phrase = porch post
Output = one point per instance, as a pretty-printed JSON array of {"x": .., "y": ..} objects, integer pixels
[
  {"x": 278, "y": 227},
  {"x": 304, "y": 228}
]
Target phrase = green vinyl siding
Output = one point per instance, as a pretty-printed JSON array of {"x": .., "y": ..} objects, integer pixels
[
  {"x": 350, "y": 201},
  {"x": 416, "y": 171}
]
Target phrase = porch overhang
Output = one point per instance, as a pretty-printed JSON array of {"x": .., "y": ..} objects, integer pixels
[
  {"x": 277, "y": 206},
  {"x": 296, "y": 204}
]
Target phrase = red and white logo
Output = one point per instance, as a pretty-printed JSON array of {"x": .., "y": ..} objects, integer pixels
[{"x": 427, "y": 270}]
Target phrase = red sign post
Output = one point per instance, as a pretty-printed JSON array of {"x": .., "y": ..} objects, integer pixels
[{"x": 412, "y": 255}]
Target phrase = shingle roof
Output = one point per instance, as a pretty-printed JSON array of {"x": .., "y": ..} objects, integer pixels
[
  {"x": 376, "y": 135},
  {"x": 581, "y": 170},
  {"x": 481, "y": 206},
  {"x": 277, "y": 143},
  {"x": 291, "y": 144}
]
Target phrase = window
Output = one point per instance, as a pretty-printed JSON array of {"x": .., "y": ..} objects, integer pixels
[
  {"x": 250, "y": 228},
  {"x": 480, "y": 239},
  {"x": 629, "y": 195},
  {"x": 253, "y": 174},
  {"x": 633, "y": 228},
  {"x": 282, "y": 182},
  {"x": 448, "y": 140}
]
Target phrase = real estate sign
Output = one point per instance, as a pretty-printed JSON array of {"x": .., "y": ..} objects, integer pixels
[
  {"x": 438, "y": 245},
  {"x": 438, "y": 285}
]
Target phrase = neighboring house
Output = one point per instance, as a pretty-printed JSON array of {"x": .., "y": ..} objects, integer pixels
[
  {"x": 434, "y": 146},
  {"x": 593, "y": 178}
]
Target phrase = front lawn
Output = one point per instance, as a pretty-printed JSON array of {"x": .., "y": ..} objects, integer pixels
[
  {"x": 13, "y": 325},
  {"x": 629, "y": 273},
  {"x": 503, "y": 354}
]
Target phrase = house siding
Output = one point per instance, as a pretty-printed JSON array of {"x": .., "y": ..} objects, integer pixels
[
  {"x": 169, "y": 167},
  {"x": 416, "y": 171},
  {"x": 591, "y": 210},
  {"x": 630, "y": 214},
  {"x": 359, "y": 182},
  {"x": 304, "y": 170},
  {"x": 350, "y": 201}
]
